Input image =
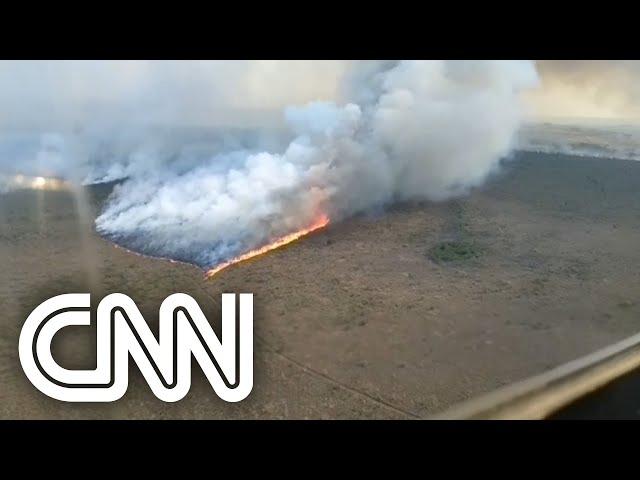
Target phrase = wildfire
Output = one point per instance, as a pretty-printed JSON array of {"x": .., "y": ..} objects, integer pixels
[{"x": 321, "y": 222}]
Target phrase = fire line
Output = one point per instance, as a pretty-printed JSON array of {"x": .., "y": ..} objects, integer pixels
[{"x": 321, "y": 222}]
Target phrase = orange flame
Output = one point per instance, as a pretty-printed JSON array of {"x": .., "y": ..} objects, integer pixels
[{"x": 321, "y": 222}]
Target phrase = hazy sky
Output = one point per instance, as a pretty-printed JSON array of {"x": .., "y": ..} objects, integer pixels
[
  {"x": 608, "y": 89},
  {"x": 51, "y": 94}
]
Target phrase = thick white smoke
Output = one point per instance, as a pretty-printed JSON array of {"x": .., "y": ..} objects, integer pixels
[
  {"x": 219, "y": 157},
  {"x": 407, "y": 130}
]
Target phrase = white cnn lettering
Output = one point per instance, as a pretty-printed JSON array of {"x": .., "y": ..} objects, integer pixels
[{"x": 165, "y": 363}]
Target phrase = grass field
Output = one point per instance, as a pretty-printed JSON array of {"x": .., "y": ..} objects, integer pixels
[{"x": 394, "y": 315}]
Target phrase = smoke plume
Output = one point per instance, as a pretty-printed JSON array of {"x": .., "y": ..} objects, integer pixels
[{"x": 282, "y": 148}]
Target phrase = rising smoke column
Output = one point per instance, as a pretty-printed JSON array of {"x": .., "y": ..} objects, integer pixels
[{"x": 407, "y": 130}]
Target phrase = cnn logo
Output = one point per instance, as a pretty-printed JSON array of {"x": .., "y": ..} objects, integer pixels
[{"x": 165, "y": 362}]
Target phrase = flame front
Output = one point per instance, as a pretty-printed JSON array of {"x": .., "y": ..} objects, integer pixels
[{"x": 321, "y": 222}]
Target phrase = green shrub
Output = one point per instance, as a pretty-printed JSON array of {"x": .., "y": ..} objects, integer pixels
[{"x": 453, "y": 251}]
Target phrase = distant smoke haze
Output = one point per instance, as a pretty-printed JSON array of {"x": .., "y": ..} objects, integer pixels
[{"x": 579, "y": 90}]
